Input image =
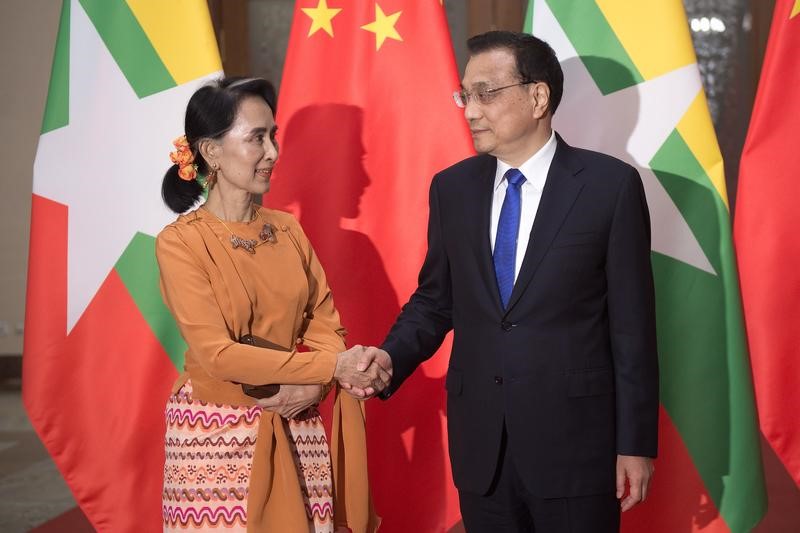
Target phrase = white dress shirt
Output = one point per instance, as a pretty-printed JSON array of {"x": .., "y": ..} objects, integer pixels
[{"x": 535, "y": 171}]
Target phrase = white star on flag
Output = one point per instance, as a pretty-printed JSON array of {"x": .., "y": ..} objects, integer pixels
[
  {"x": 107, "y": 164},
  {"x": 630, "y": 124}
]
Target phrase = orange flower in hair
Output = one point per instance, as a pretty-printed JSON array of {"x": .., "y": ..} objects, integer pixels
[
  {"x": 184, "y": 158},
  {"x": 187, "y": 173}
]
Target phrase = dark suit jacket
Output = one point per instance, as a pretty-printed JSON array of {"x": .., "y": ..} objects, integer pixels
[{"x": 571, "y": 365}]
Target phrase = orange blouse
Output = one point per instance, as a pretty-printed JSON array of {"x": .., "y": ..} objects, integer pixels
[{"x": 217, "y": 294}]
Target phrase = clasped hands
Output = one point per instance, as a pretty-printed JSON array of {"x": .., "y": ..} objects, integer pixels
[{"x": 362, "y": 371}]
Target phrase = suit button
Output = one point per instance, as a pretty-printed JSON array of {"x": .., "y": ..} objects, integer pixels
[
  {"x": 498, "y": 380},
  {"x": 506, "y": 326}
]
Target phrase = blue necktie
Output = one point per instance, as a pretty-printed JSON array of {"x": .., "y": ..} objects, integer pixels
[{"x": 505, "y": 244}]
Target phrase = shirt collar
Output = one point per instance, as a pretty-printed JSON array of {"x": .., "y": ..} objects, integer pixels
[{"x": 534, "y": 169}]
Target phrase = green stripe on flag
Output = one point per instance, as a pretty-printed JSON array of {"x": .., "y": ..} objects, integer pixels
[
  {"x": 705, "y": 377},
  {"x": 56, "y": 112},
  {"x": 139, "y": 272},
  {"x": 692, "y": 191},
  {"x": 706, "y": 386},
  {"x": 591, "y": 35},
  {"x": 129, "y": 45}
]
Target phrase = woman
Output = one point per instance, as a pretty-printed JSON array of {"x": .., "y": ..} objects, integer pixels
[{"x": 245, "y": 288}]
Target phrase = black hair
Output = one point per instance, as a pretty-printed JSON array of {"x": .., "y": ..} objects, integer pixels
[
  {"x": 209, "y": 115},
  {"x": 536, "y": 60}
]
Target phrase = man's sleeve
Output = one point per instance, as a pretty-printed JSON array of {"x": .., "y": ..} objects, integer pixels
[
  {"x": 427, "y": 317},
  {"x": 632, "y": 322}
]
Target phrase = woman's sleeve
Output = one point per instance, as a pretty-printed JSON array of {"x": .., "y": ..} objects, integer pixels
[
  {"x": 323, "y": 328},
  {"x": 187, "y": 292}
]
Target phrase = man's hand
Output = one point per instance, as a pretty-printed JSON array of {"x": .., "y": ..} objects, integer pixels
[
  {"x": 292, "y": 400},
  {"x": 637, "y": 471},
  {"x": 371, "y": 357},
  {"x": 356, "y": 373}
]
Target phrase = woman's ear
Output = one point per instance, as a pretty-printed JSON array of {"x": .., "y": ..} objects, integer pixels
[{"x": 210, "y": 150}]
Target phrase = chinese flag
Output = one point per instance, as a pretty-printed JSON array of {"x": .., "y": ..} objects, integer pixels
[
  {"x": 765, "y": 231},
  {"x": 366, "y": 118}
]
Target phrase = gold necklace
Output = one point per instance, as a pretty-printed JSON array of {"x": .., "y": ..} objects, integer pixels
[{"x": 267, "y": 233}]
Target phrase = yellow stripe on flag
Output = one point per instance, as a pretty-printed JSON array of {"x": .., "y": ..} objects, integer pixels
[
  {"x": 654, "y": 33},
  {"x": 182, "y": 34},
  {"x": 698, "y": 133},
  {"x": 795, "y": 9}
]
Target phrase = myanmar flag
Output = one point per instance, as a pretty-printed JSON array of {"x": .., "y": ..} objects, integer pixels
[
  {"x": 632, "y": 90},
  {"x": 101, "y": 350},
  {"x": 766, "y": 232},
  {"x": 366, "y": 118}
]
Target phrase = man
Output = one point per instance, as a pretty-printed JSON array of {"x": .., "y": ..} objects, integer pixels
[{"x": 539, "y": 260}]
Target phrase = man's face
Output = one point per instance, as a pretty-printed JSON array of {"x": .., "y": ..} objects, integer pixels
[{"x": 505, "y": 126}]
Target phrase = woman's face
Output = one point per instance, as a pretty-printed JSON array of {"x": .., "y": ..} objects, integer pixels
[{"x": 247, "y": 153}]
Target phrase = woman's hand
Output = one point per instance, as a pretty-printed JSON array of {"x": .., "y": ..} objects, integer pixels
[
  {"x": 292, "y": 400},
  {"x": 363, "y": 371}
]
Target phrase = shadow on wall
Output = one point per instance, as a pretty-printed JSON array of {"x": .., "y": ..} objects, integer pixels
[{"x": 321, "y": 175}]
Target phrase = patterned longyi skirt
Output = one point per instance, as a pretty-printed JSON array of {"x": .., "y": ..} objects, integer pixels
[{"x": 209, "y": 456}]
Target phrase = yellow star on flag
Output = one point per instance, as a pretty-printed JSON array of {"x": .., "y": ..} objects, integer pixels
[
  {"x": 321, "y": 17},
  {"x": 795, "y": 9},
  {"x": 383, "y": 27}
]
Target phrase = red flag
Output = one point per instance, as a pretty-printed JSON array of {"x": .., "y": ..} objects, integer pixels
[
  {"x": 367, "y": 118},
  {"x": 765, "y": 232}
]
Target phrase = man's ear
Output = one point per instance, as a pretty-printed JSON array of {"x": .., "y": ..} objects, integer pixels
[{"x": 540, "y": 96}]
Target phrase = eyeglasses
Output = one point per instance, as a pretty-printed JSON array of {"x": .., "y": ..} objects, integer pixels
[{"x": 484, "y": 97}]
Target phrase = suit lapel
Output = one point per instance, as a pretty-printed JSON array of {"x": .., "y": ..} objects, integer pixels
[
  {"x": 482, "y": 244},
  {"x": 559, "y": 194}
]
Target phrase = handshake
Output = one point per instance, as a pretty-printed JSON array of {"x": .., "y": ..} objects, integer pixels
[{"x": 363, "y": 371}]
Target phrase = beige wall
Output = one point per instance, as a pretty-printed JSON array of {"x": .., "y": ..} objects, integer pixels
[{"x": 27, "y": 37}]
